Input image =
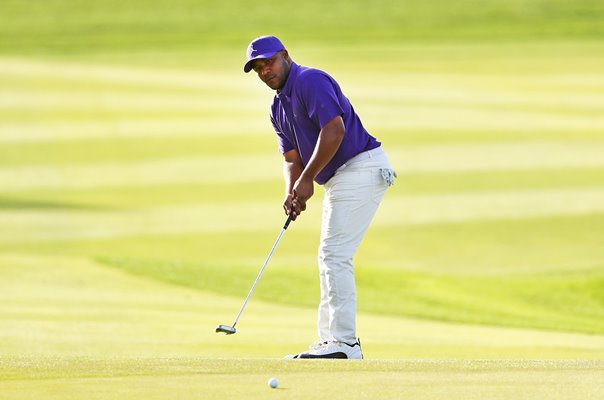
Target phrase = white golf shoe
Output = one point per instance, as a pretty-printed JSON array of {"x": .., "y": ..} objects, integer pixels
[{"x": 332, "y": 349}]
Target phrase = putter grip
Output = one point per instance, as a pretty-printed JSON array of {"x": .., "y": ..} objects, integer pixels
[{"x": 289, "y": 219}]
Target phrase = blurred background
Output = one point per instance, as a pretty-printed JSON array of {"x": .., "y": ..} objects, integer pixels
[{"x": 141, "y": 188}]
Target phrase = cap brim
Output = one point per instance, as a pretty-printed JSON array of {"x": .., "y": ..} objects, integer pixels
[{"x": 248, "y": 65}]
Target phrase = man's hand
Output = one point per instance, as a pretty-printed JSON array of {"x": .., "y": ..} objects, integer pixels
[
  {"x": 302, "y": 191},
  {"x": 295, "y": 202},
  {"x": 289, "y": 207}
]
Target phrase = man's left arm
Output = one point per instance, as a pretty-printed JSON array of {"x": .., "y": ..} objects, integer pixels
[{"x": 328, "y": 143}]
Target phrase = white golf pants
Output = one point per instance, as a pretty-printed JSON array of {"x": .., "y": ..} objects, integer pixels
[{"x": 352, "y": 197}]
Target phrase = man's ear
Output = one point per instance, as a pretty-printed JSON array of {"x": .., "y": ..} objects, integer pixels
[{"x": 285, "y": 55}]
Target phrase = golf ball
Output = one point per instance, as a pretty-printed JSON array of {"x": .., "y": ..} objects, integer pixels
[{"x": 273, "y": 382}]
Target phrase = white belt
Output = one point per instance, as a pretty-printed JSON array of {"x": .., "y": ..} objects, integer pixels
[{"x": 378, "y": 151}]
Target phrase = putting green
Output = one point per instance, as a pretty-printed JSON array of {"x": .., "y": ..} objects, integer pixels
[{"x": 219, "y": 378}]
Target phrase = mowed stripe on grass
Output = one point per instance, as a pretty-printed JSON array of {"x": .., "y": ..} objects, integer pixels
[
  {"x": 245, "y": 167},
  {"x": 118, "y": 100},
  {"x": 22, "y": 226}
]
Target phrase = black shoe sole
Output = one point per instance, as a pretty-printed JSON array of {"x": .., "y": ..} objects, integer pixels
[{"x": 338, "y": 355}]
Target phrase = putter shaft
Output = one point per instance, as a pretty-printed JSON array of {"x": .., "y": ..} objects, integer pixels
[
  {"x": 231, "y": 329},
  {"x": 270, "y": 254}
]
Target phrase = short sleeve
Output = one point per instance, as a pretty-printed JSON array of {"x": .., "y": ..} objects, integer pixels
[
  {"x": 284, "y": 144},
  {"x": 320, "y": 98}
]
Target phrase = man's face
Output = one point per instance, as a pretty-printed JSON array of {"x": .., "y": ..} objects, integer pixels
[{"x": 273, "y": 71}]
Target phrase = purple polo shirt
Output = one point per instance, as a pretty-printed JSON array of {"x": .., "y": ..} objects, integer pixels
[{"x": 309, "y": 100}]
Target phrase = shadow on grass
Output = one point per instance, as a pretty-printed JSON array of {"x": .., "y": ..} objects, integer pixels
[{"x": 7, "y": 203}]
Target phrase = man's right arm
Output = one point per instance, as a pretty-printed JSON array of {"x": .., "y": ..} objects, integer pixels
[{"x": 292, "y": 169}]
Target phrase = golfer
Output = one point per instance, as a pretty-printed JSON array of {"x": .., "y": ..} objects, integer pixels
[{"x": 323, "y": 140}]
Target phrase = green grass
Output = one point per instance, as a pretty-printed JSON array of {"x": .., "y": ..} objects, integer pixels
[
  {"x": 140, "y": 191},
  {"x": 83, "y": 27},
  {"x": 155, "y": 379},
  {"x": 75, "y": 329},
  {"x": 552, "y": 301}
]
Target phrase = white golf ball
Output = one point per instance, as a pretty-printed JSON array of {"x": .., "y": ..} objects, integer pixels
[{"x": 273, "y": 382}]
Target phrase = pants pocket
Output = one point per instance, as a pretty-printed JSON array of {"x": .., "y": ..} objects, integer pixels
[{"x": 388, "y": 175}]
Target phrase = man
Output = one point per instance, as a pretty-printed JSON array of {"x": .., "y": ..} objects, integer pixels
[{"x": 323, "y": 140}]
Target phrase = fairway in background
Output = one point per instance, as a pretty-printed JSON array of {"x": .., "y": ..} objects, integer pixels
[
  {"x": 496, "y": 217},
  {"x": 73, "y": 27}
]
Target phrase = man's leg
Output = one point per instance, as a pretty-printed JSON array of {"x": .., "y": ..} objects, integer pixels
[{"x": 351, "y": 199}]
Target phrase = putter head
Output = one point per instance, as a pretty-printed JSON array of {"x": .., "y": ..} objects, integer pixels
[{"x": 229, "y": 330}]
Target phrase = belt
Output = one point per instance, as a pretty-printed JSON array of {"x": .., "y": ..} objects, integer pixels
[{"x": 364, "y": 156}]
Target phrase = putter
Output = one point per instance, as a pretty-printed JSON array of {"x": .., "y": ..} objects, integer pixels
[{"x": 229, "y": 330}]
